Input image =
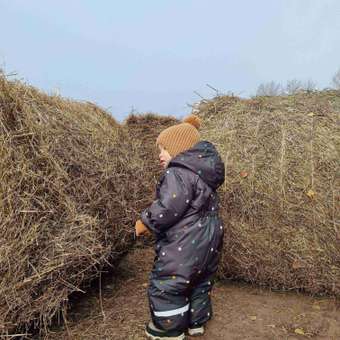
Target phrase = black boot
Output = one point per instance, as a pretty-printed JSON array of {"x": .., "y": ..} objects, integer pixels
[{"x": 154, "y": 333}]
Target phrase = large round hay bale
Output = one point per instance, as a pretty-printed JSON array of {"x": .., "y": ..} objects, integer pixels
[
  {"x": 143, "y": 130},
  {"x": 280, "y": 200},
  {"x": 69, "y": 195}
]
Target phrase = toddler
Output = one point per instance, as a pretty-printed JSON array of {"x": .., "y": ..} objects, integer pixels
[{"x": 188, "y": 230}]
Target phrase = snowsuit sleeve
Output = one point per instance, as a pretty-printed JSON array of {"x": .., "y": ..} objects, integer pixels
[{"x": 172, "y": 200}]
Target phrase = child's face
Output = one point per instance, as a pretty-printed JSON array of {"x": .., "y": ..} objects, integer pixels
[{"x": 164, "y": 156}]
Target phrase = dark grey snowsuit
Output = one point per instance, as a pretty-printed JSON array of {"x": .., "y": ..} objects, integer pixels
[{"x": 189, "y": 238}]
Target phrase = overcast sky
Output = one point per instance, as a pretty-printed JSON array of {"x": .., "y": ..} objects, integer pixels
[{"x": 152, "y": 55}]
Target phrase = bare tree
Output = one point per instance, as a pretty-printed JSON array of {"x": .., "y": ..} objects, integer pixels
[
  {"x": 336, "y": 80},
  {"x": 294, "y": 86},
  {"x": 269, "y": 89},
  {"x": 310, "y": 85}
]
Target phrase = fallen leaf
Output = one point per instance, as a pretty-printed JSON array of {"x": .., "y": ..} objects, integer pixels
[
  {"x": 299, "y": 331},
  {"x": 297, "y": 264},
  {"x": 310, "y": 193},
  {"x": 310, "y": 114},
  {"x": 243, "y": 173},
  {"x": 316, "y": 307}
]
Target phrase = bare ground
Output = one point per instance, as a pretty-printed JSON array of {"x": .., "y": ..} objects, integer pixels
[{"x": 119, "y": 310}]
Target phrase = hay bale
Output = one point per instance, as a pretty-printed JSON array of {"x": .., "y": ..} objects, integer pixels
[
  {"x": 143, "y": 130},
  {"x": 68, "y": 197},
  {"x": 280, "y": 200}
]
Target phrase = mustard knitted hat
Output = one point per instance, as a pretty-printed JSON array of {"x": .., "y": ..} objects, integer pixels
[{"x": 180, "y": 137}]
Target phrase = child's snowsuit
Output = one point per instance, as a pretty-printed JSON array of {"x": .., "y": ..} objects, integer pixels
[{"x": 189, "y": 238}]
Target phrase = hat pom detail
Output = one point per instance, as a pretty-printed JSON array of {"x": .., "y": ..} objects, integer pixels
[{"x": 193, "y": 120}]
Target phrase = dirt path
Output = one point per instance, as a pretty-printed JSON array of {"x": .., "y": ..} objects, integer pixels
[{"x": 240, "y": 311}]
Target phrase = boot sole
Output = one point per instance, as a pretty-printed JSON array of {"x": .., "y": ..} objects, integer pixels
[
  {"x": 196, "y": 332},
  {"x": 156, "y": 337}
]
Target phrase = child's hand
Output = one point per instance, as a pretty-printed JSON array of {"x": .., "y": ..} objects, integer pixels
[{"x": 141, "y": 228}]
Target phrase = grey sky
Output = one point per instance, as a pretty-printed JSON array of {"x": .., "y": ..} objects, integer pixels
[{"x": 152, "y": 55}]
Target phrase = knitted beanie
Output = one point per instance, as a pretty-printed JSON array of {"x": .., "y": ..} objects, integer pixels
[{"x": 180, "y": 137}]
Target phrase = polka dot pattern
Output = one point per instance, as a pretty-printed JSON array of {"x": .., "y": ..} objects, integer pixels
[{"x": 184, "y": 249}]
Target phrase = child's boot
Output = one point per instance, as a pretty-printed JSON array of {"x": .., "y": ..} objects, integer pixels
[
  {"x": 196, "y": 330},
  {"x": 154, "y": 333}
]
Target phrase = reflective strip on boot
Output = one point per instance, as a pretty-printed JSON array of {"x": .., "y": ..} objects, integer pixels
[{"x": 196, "y": 331}]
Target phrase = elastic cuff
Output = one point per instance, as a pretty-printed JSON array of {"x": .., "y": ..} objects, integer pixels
[{"x": 145, "y": 222}]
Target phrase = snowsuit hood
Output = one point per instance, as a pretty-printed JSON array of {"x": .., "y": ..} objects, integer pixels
[{"x": 204, "y": 160}]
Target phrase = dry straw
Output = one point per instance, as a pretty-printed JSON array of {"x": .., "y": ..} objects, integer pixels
[
  {"x": 144, "y": 129},
  {"x": 280, "y": 200},
  {"x": 69, "y": 195}
]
